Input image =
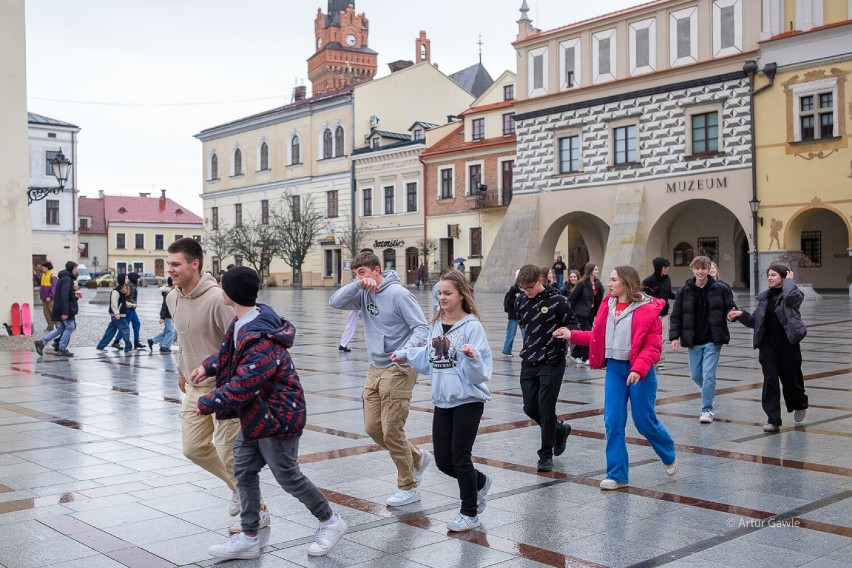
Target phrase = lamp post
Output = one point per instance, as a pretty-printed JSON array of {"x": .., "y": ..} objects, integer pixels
[
  {"x": 754, "y": 205},
  {"x": 61, "y": 167}
]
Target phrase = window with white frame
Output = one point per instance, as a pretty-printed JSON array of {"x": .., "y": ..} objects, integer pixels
[
  {"x": 643, "y": 46},
  {"x": 508, "y": 92},
  {"x": 508, "y": 123},
  {"x": 139, "y": 241},
  {"x": 237, "y": 162},
  {"x": 477, "y": 128},
  {"x": 159, "y": 242},
  {"x": 815, "y": 110},
  {"x": 446, "y": 183},
  {"x": 389, "y": 199},
  {"x": 683, "y": 36},
  {"x": 48, "y": 156},
  {"x": 295, "y": 150},
  {"x": 727, "y": 27},
  {"x": 331, "y": 204},
  {"x": 474, "y": 178},
  {"x": 411, "y": 197},
  {"x": 339, "y": 145},
  {"x": 214, "y": 167},
  {"x": 367, "y": 202},
  {"x": 476, "y": 242},
  {"x": 121, "y": 268},
  {"x": 569, "y": 64},
  {"x": 214, "y": 218},
  {"x": 120, "y": 240},
  {"x": 263, "y": 156},
  {"x": 603, "y": 56},
  {"x": 537, "y": 72},
  {"x": 624, "y": 145},
  {"x": 704, "y": 129},
  {"x": 327, "y": 144},
  {"x": 52, "y": 211},
  {"x": 569, "y": 154},
  {"x": 809, "y": 14}
]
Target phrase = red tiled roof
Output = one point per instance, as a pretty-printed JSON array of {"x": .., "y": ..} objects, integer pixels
[
  {"x": 93, "y": 208},
  {"x": 485, "y": 108},
  {"x": 122, "y": 209},
  {"x": 454, "y": 142}
]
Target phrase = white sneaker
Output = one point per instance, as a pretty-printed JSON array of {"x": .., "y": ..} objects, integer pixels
[
  {"x": 425, "y": 460},
  {"x": 610, "y": 484},
  {"x": 706, "y": 417},
  {"x": 327, "y": 536},
  {"x": 403, "y": 497},
  {"x": 799, "y": 415},
  {"x": 463, "y": 523},
  {"x": 578, "y": 360},
  {"x": 265, "y": 520},
  {"x": 234, "y": 508},
  {"x": 769, "y": 427},
  {"x": 237, "y": 547},
  {"x": 671, "y": 469},
  {"x": 482, "y": 495}
]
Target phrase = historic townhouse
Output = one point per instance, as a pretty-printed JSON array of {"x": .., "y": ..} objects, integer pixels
[
  {"x": 804, "y": 163},
  {"x": 633, "y": 141},
  {"x": 469, "y": 178}
]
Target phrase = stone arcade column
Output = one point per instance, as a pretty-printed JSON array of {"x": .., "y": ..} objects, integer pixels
[
  {"x": 627, "y": 243},
  {"x": 15, "y": 254}
]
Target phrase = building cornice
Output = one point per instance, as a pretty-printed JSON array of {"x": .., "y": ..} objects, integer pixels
[{"x": 303, "y": 182}]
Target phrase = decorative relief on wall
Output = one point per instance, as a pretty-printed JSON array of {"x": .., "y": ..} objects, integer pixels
[
  {"x": 775, "y": 226},
  {"x": 819, "y": 155}
]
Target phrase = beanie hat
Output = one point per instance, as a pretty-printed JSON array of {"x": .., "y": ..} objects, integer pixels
[
  {"x": 121, "y": 279},
  {"x": 69, "y": 266},
  {"x": 241, "y": 284}
]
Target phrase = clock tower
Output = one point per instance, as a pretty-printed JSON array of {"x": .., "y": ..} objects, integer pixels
[{"x": 342, "y": 57}]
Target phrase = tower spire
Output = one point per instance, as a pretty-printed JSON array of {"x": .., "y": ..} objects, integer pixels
[{"x": 480, "y": 48}]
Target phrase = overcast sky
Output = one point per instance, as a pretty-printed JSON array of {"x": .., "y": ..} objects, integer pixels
[{"x": 142, "y": 77}]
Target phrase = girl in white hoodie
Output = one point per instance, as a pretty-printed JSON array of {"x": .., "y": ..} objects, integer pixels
[{"x": 458, "y": 358}]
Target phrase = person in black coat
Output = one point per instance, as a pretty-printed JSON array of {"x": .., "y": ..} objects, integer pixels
[
  {"x": 699, "y": 323},
  {"x": 659, "y": 285},
  {"x": 512, "y": 323},
  {"x": 778, "y": 331},
  {"x": 585, "y": 300},
  {"x": 64, "y": 312}
]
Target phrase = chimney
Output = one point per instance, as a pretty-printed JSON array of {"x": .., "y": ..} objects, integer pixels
[
  {"x": 100, "y": 194},
  {"x": 143, "y": 194},
  {"x": 163, "y": 194},
  {"x": 423, "y": 49},
  {"x": 300, "y": 92},
  {"x": 399, "y": 65}
]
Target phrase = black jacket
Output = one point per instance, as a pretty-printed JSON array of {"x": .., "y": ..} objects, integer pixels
[
  {"x": 659, "y": 286},
  {"x": 65, "y": 301},
  {"x": 539, "y": 317},
  {"x": 134, "y": 294},
  {"x": 682, "y": 323},
  {"x": 584, "y": 302},
  {"x": 786, "y": 310},
  {"x": 509, "y": 301},
  {"x": 164, "y": 309}
]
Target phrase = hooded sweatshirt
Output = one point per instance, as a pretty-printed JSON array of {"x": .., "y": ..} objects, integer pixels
[
  {"x": 659, "y": 286},
  {"x": 456, "y": 379},
  {"x": 201, "y": 319},
  {"x": 392, "y": 317},
  {"x": 65, "y": 302}
]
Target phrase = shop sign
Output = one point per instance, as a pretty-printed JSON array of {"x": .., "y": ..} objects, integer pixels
[
  {"x": 389, "y": 244},
  {"x": 697, "y": 184}
]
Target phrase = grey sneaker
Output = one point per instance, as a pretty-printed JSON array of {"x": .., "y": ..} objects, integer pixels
[
  {"x": 425, "y": 460},
  {"x": 799, "y": 415},
  {"x": 463, "y": 523},
  {"x": 64, "y": 353},
  {"x": 234, "y": 505},
  {"x": 39, "y": 345},
  {"x": 403, "y": 497},
  {"x": 671, "y": 469},
  {"x": 327, "y": 536},
  {"x": 237, "y": 547}
]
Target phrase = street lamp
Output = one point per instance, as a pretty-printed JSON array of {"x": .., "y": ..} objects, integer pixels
[{"x": 61, "y": 167}]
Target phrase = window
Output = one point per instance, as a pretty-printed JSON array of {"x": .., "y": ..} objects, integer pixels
[
  {"x": 295, "y": 151},
  {"x": 296, "y": 207},
  {"x": 728, "y": 27},
  {"x": 389, "y": 259},
  {"x": 119, "y": 241},
  {"x": 478, "y": 126},
  {"x": 508, "y": 92},
  {"x": 507, "y": 169},
  {"x": 121, "y": 268},
  {"x": 52, "y": 208},
  {"x": 368, "y": 202},
  {"x": 418, "y": 134},
  {"x": 569, "y": 63},
  {"x": 338, "y": 141},
  {"x": 139, "y": 241},
  {"x": 264, "y": 156},
  {"x": 537, "y": 72},
  {"x": 264, "y": 212},
  {"x": 238, "y": 260},
  {"x": 389, "y": 199},
  {"x": 159, "y": 241},
  {"x": 214, "y": 167},
  {"x": 51, "y": 134},
  {"x": 816, "y": 116},
  {"x": 376, "y": 142},
  {"x": 812, "y": 247},
  {"x": 214, "y": 215},
  {"x": 683, "y": 254},
  {"x": 411, "y": 197},
  {"x": 329, "y": 263},
  {"x": 327, "y": 144},
  {"x": 84, "y": 250},
  {"x": 331, "y": 203},
  {"x": 238, "y": 162},
  {"x": 643, "y": 46},
  {"x": 705, "y": 133},
  {"x": 474, "y": 178},
  {"x": 48, "y": 167},
  {"x": 624, "y": 145},
  {"x": 238, "y": 215},
  {"x": 569, "y": 154},
  {"x": 709, "y": 247},
  {"x": 476, "y": 241},
  {"x": 683, "y": 36},
  {"x": 508, "y": 123},
  {"x": 178, "y": 237},
  {"x": 84, "y": 222},
  {"x": 138, "y": 267},
  {"x": 446, "y": 184},
  {"x": 603, "y": 55}
]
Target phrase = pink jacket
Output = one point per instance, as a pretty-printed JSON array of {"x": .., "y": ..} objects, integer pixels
[{"x": 646, "y": 341}]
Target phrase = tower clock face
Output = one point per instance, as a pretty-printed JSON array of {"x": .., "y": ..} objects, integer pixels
[{"x": 350, "y": 40}]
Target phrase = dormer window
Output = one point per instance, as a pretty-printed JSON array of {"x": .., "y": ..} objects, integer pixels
[
  {"x": 376, "y": 142},
  {"x": 418, "y": 134},
  {"x": 122, "y": 210}
]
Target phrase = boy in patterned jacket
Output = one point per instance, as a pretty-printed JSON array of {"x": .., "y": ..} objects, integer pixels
[{"x": 257, "y": 382}]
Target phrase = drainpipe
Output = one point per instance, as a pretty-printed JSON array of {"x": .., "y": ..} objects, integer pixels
[
  {"x": 750, "y": 69},
  {"x": 351, "y": 186}
]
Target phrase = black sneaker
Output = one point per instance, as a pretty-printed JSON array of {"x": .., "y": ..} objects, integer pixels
[
  {"x": 545, "y": 464},
  {"x": 39, "y": 345},
  {"x": 344, "y": 349},
  {"x": 562, "y": 433},
  {"x": 165, "y": 350},
  {"x": 150, "y": 345},
  {"x": 56, "y": 345},
  {"x": 139, "y": 345},
  {"x": 64, "y": 353},
  {"x": 116, "y": 344}
]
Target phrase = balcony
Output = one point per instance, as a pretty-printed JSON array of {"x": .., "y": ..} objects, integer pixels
[{"x": 491, "y": 198}]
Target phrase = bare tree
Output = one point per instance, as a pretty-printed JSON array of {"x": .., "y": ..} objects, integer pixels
[
  {"x": 358, "y": 239},
  {"x": 428, "y": 248},
  {"x": 258, "y": 243},
  {"x": 217, "y": 242},
  {"x": 298, "y": 224}
]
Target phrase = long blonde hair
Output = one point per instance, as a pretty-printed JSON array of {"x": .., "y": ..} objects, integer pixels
[{"x": 465, "y": 291}]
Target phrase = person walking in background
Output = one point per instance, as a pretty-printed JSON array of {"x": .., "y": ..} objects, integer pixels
[
  {"x": 393, "y": 320},
  {"x": 458, "y": 359},
  {"x": 460, "y": 267},
  {"x": 512, "y": 322},
  {"x": 349, "y": 331},
  {"x": 626, "y": 340},
  {"x": 117, "y": 327},
  {"x": 541, "y": 310},
  {"x": 659, "y": 285},
  {"x": 778, "y": 332},
  {"x": 585, "y": 300},
  {"x": 167, "y": 335},
  {"x": 714, "y": 272},
  {"x": 559, "y": 269},
  {"x": 64, "y": 312},
  {"x": 46, "y": 283},
  {"x": 420, "y": 276},
  {"x": 201, "y": 319},
  {"x": 257, "y": 382},
  {"x": 699, "y": 323}
]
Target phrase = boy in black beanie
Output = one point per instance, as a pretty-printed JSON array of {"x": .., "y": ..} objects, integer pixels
[{"x": 257, "y": 382}]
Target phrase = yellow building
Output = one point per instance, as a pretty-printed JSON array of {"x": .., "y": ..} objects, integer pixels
[{"x": 804, "y": 178}]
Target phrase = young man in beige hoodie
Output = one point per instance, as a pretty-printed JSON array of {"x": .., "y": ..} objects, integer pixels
[{"x": 201, "y": 319}]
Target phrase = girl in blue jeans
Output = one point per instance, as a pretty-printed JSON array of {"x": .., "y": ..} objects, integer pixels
[{"x": 627, "y": 340}]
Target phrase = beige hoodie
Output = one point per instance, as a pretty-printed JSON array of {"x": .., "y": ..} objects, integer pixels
[{"x": 201, "y": 319}]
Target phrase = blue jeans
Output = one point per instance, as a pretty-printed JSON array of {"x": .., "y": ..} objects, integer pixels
[
  {"x": 133, "y": 320},
  {"x": 642, "y": 397},
  {"x": 64, "y": 328},
  {"x": 119, "y": 329},
  {"x": 165, "y": 337},
  {"x": 282, "y": 458},
  {"x": 511, "y": 331},
  {"x": 559, "y": 280},
  {"x": 703, "y": 360}
]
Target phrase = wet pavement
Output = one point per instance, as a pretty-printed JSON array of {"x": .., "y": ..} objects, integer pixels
[{"x": 92, "y": 474}]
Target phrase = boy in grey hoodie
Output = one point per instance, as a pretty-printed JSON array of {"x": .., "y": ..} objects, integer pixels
[{"x": 393, "y": 320}]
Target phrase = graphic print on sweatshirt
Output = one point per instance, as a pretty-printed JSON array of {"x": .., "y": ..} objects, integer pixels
[
  {"x": 372, "y": 309},
  {"x": 540, "y": 317},
  {"x": 444, "y": 350}
]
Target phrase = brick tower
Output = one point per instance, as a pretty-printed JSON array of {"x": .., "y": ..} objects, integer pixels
[{"x": 342, "y": 57}]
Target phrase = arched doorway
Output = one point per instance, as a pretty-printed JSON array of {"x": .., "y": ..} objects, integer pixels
[
  {"x": 577, "y": 237},
  {"x": 817, "y": 242}
]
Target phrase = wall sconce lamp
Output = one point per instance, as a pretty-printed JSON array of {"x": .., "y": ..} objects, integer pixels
[
  {"x": 754, "y": 205},
  {"x": 61, "y": 167}
]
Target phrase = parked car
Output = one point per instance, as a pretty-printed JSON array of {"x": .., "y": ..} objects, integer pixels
[
  {"x": 105, "y": 280},
  {"x": 151, "y": 279},
  {"x": 83, "y": 275}
]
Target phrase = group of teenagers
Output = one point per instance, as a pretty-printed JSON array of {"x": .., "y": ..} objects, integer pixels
[{"x": 245, "y": 406}]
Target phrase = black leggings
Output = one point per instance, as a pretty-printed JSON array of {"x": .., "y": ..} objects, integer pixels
[
  {"x": 782, "y": 362},
  {"x": 453, "y": 433}
]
